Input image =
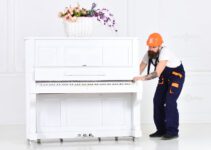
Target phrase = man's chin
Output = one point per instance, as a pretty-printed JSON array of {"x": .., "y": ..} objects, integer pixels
[{"x": 152, "y": 57}]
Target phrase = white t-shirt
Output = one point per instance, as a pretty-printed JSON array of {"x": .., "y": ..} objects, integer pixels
[{"x": 165, "y": 54}]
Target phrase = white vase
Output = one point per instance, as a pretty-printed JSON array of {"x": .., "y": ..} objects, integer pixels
[{"x": 82, "y": 27}]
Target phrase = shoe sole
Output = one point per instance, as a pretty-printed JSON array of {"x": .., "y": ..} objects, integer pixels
[
  {"x": 165, "y": 138},
  {"x": 156, "y": 136}
]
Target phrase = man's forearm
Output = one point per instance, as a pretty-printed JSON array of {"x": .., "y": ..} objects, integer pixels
[
  {"x": 151, "y": 76},
  {"x": 142, "y": 67}
]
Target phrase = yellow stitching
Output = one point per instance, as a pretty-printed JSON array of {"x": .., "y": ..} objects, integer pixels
[
  {"x": 177, "y": 74},
  {"x": 175, "y": 85}
]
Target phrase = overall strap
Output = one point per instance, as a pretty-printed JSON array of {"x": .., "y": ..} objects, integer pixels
[
  {"x": 154, "y": 64},
  {"x": 151, "y": 62}
]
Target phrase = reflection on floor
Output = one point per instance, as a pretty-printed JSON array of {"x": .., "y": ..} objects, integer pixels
[{"x": 192, "y": 136}]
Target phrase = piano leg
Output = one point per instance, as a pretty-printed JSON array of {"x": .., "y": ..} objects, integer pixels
[
  {"x": 31, "y": 124},
  {"x": 28, "y": 142},
  {"x": 136, "y": 120}
]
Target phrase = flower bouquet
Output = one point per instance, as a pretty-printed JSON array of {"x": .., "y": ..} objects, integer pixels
[{"x": 79, "y": 21}]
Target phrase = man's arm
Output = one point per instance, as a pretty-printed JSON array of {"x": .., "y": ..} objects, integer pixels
[
  {"x": 159, "y": 69},
  {"x": 142, "y": 67}
]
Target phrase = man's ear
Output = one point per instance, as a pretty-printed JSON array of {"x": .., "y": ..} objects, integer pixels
[{"x": 160, "y": 47}]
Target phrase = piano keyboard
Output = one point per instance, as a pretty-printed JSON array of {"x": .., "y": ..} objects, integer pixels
[
  {"x": 85, "y": 83},
  {"x": 85, "y": 86}
]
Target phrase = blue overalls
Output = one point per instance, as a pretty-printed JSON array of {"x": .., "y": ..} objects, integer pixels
[{"x": 166, "y": 116}]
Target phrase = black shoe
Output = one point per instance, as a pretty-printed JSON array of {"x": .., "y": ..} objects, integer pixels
[
  {"x": 169, "y": 136},
  {"x": 156, "y": 134}
]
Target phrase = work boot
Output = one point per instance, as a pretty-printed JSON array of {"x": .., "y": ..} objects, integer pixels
[{"x": 157, "y": 134}]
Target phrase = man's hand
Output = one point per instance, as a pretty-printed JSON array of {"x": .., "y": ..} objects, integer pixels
[{"x": 138, "y": 78}]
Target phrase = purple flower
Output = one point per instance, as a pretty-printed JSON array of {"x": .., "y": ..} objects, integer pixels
[{"x": 93, "y": 6}]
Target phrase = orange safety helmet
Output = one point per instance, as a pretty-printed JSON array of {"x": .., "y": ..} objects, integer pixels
[{"x": 155, "y": 39}]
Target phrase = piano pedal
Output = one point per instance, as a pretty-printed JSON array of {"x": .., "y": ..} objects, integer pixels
[
  {"x": 99, "y": 139},
  {"x": 61, "y": 140},
  {"x": 38, "y": 141},
  {"x": 116, "y": 139}
]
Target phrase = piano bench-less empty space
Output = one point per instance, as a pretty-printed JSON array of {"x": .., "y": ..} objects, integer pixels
[{"x": 81, "y": 88}]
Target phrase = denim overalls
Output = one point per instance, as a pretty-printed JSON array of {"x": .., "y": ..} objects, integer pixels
[{"x": 166, "y": 116}]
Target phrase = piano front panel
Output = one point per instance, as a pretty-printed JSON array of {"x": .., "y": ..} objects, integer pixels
[
  {"x": 81, "y": 56},
  {"x": 85, "y": 114},
  {"x": 85, "y": 53}
]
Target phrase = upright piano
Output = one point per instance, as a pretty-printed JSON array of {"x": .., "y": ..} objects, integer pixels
[{"x": 82, "y": 88}]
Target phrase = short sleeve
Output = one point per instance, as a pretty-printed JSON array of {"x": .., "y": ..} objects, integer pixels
[
  {"x": 145, "y": 58},
  {"x": 164, "y": 54}
]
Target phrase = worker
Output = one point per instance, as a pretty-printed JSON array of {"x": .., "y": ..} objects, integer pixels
[{"x": 171, "y": 75}]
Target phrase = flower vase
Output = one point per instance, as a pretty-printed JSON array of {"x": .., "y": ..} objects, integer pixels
[{"x": 83, "y": 26}]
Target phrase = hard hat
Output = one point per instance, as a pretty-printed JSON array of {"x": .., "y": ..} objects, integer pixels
[{"x": 155, "y": 39}]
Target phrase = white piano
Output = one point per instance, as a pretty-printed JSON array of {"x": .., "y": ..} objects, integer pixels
[{"x": 82, "y": 88}]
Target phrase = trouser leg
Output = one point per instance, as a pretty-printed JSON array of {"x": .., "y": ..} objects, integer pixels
[
  {"x": 159, "y": 111},
  {"x": 171, "y": 111}
]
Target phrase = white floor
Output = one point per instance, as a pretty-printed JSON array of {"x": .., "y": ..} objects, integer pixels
[{"x": 192, "y": 137}]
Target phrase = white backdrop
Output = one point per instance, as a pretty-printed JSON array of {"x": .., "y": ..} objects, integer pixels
[{"x": 184, "y": 24}]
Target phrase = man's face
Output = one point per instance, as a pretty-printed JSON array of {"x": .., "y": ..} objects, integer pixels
[{"x": 153, "y": 51}]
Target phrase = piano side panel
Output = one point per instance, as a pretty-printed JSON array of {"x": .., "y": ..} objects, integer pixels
[{"x": 30, "y": 86}]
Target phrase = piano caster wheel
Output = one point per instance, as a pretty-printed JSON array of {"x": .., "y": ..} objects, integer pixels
[
  {"x": 38, "y": 141},
  {"x": 99, "y": 139},
  {"x": 116, "y": 138},
  {"x": 134, "y": 139},
  {"x": 28, "y": 142},
  {"x": 61, "y": 140}
]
